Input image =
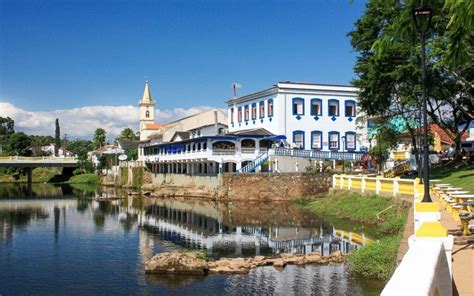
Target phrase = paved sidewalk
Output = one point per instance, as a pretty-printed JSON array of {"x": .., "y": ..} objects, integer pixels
[{"x": 463, "y": 256}]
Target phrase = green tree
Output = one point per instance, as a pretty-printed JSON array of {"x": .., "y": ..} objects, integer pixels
[
  {"x": 388, "y": 65},
  {"x": 127, "y": 134},
  {"x": 99, "y": 138},
  {"x": 18, "y": 144},
  {"x": 7, "y": 126},
  {"x": 57, "y": 138}
]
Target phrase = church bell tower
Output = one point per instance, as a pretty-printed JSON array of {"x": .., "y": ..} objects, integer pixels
[{"x": 147, "y": 109}]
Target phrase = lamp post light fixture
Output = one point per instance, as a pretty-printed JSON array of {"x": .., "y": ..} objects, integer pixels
[{"x": 422, "y": 19}]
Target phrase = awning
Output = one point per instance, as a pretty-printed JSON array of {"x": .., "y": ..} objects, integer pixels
[{"x": 274, "y": 138}]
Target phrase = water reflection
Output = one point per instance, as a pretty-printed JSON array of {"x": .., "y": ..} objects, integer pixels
[
  {"x": 103, "y": 236},
  {"x": 210, "y": 226}
]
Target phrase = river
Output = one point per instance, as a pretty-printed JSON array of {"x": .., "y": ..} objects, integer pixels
[{"x": 64, "y": 241}]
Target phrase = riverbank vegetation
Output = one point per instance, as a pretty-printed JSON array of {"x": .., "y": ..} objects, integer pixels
[
  {"x": 89, "y": 178},
  {"x": 379, "y": 217}
]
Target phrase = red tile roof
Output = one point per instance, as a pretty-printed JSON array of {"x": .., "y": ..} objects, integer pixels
[
  {"x": 445, "y": 137},
  {"x": 153, "y": 126}
]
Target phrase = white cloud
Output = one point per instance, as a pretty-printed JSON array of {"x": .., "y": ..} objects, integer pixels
[{"x": 82, "y": 122}]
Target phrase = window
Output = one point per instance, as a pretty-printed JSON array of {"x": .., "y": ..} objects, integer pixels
[
  {"x": 350, "y": 108},
  {"x": 316, "y": 107},
  {"x": 334, "y": 140},
  {"x": 246, "y": 112},
  {"x": 254, "y": 111},
  {"x": 231, "y": 115},
  {"x": 316, "y": 140},
  {"x": 350, "y": 141},
  {"x": 298, "y": 139},
  {"x": 147, "y": 114},
  {"x": 262, "y": 109},
  {"x": 298, "y": 106},
  {"x": 333, "y": 107},
  {"x": 270, "y": 108},
  {"x": 239, "y": 115}
]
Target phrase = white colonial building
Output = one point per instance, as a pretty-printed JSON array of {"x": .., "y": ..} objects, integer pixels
[
  {"x": 311, "y": 116},
  {"x": 287, "y": 127}
]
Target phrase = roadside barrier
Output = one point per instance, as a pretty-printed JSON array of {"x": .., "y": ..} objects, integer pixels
[{"x": 393, "y": 186}]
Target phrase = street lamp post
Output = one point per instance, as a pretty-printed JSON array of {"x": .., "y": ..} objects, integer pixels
[
  {"x": 422, "y": 19},
  {"x": 343, "y": 141}
]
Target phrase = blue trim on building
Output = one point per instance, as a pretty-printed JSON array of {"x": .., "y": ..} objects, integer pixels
[
  {"x": 329, "y": 108},
  {"x": 338, "y": 140},
  {"x": 320, "y": 107},
  {"x": 260, "y": 104},
  {"x": 355, "y": 141},
  {"x": 270, "y": 101},
  {"x": 254, "y": 105},
  {"x": 320, "y": 139},
  {"x": 297, "y": 132},
  {"x": 351, "y": 102},
  {"x": 246, "y": 111},
  {"x": 294, "y": 101}
]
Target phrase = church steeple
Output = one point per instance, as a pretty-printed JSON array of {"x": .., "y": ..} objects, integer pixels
[
  {"x": 147, "y": 111},
  {"x": 146, "y": 94}
]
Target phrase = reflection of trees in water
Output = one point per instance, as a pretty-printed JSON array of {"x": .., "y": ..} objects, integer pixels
[
  {"x": 22, "y": 216},
  {"x": 15, "y": 190},
  {"x": 18, "y": 218},
  {"x": 99, "y": 219}
]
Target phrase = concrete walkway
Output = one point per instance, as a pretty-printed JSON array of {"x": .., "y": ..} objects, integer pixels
[{"x": 463, "y": 256}]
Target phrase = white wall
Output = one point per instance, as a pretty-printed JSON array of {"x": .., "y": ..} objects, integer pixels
[
  {"x": 270, "y": 125},
  {"x": 285, "y": 123}
]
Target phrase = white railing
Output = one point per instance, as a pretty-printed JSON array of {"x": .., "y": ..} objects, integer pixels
[
  {"x": 392, "y": 186},
  {"x": 335, "y": 155},
  {"x": 223, "y": 151},
  {"x": 40, "y": 158},
  {"x": 424, "y": 270}
]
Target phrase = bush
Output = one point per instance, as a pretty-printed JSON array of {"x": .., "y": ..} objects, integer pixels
[
  {"x": 137, "y": 177},
  {"x": 84, "y": 179},
  {"x": 43, "y": 174},
  {"x": 376, "y": 260}
]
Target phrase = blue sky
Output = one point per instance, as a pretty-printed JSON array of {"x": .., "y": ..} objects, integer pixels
[
  {"x": 65, "y": 54},
  {"x": 85, "y": 62}
]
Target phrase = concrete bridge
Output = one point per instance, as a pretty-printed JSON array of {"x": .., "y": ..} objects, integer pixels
[{"x": 30, "y": 163}]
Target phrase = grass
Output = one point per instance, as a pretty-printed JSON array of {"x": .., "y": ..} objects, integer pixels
[
  {"x": 376, "y": 260},
  {"x": 359, "y": 213},
  {"x": 462, "y": 176},
  {"x": 40, "y": 175},
  {"x": 88, "y": 178}
]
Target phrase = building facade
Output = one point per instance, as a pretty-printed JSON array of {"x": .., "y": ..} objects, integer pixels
[
  {"x": 311, "y": 116},
  {"x": 285, "y": 128}
]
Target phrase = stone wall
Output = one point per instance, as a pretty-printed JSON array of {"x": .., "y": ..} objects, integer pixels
[
  {"x": 229, "y": 186},
  {"x": 282, "y": 186}
]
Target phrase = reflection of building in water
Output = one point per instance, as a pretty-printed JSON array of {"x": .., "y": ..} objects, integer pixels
[{"x": 193, "y": 230}]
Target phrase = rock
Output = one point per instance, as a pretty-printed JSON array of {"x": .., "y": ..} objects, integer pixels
[
  {"x": 260, "y": 261},
  {"x": 231, "y": 266},
  {"x": 279, "y": 263},
  {"x": 312, "y": 258},
  {"x": 292, "y": 259},
  {"x": 192, "y": 263},
  {"x": 177, "y": 263}
]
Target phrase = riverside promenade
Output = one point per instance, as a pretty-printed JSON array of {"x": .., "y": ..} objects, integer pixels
[{"x": 462, "y": 255}]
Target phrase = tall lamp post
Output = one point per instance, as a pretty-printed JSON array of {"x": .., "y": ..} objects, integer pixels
[
  {"x": 343, "y": 147},
  {"x": 422, "y": 19}
]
